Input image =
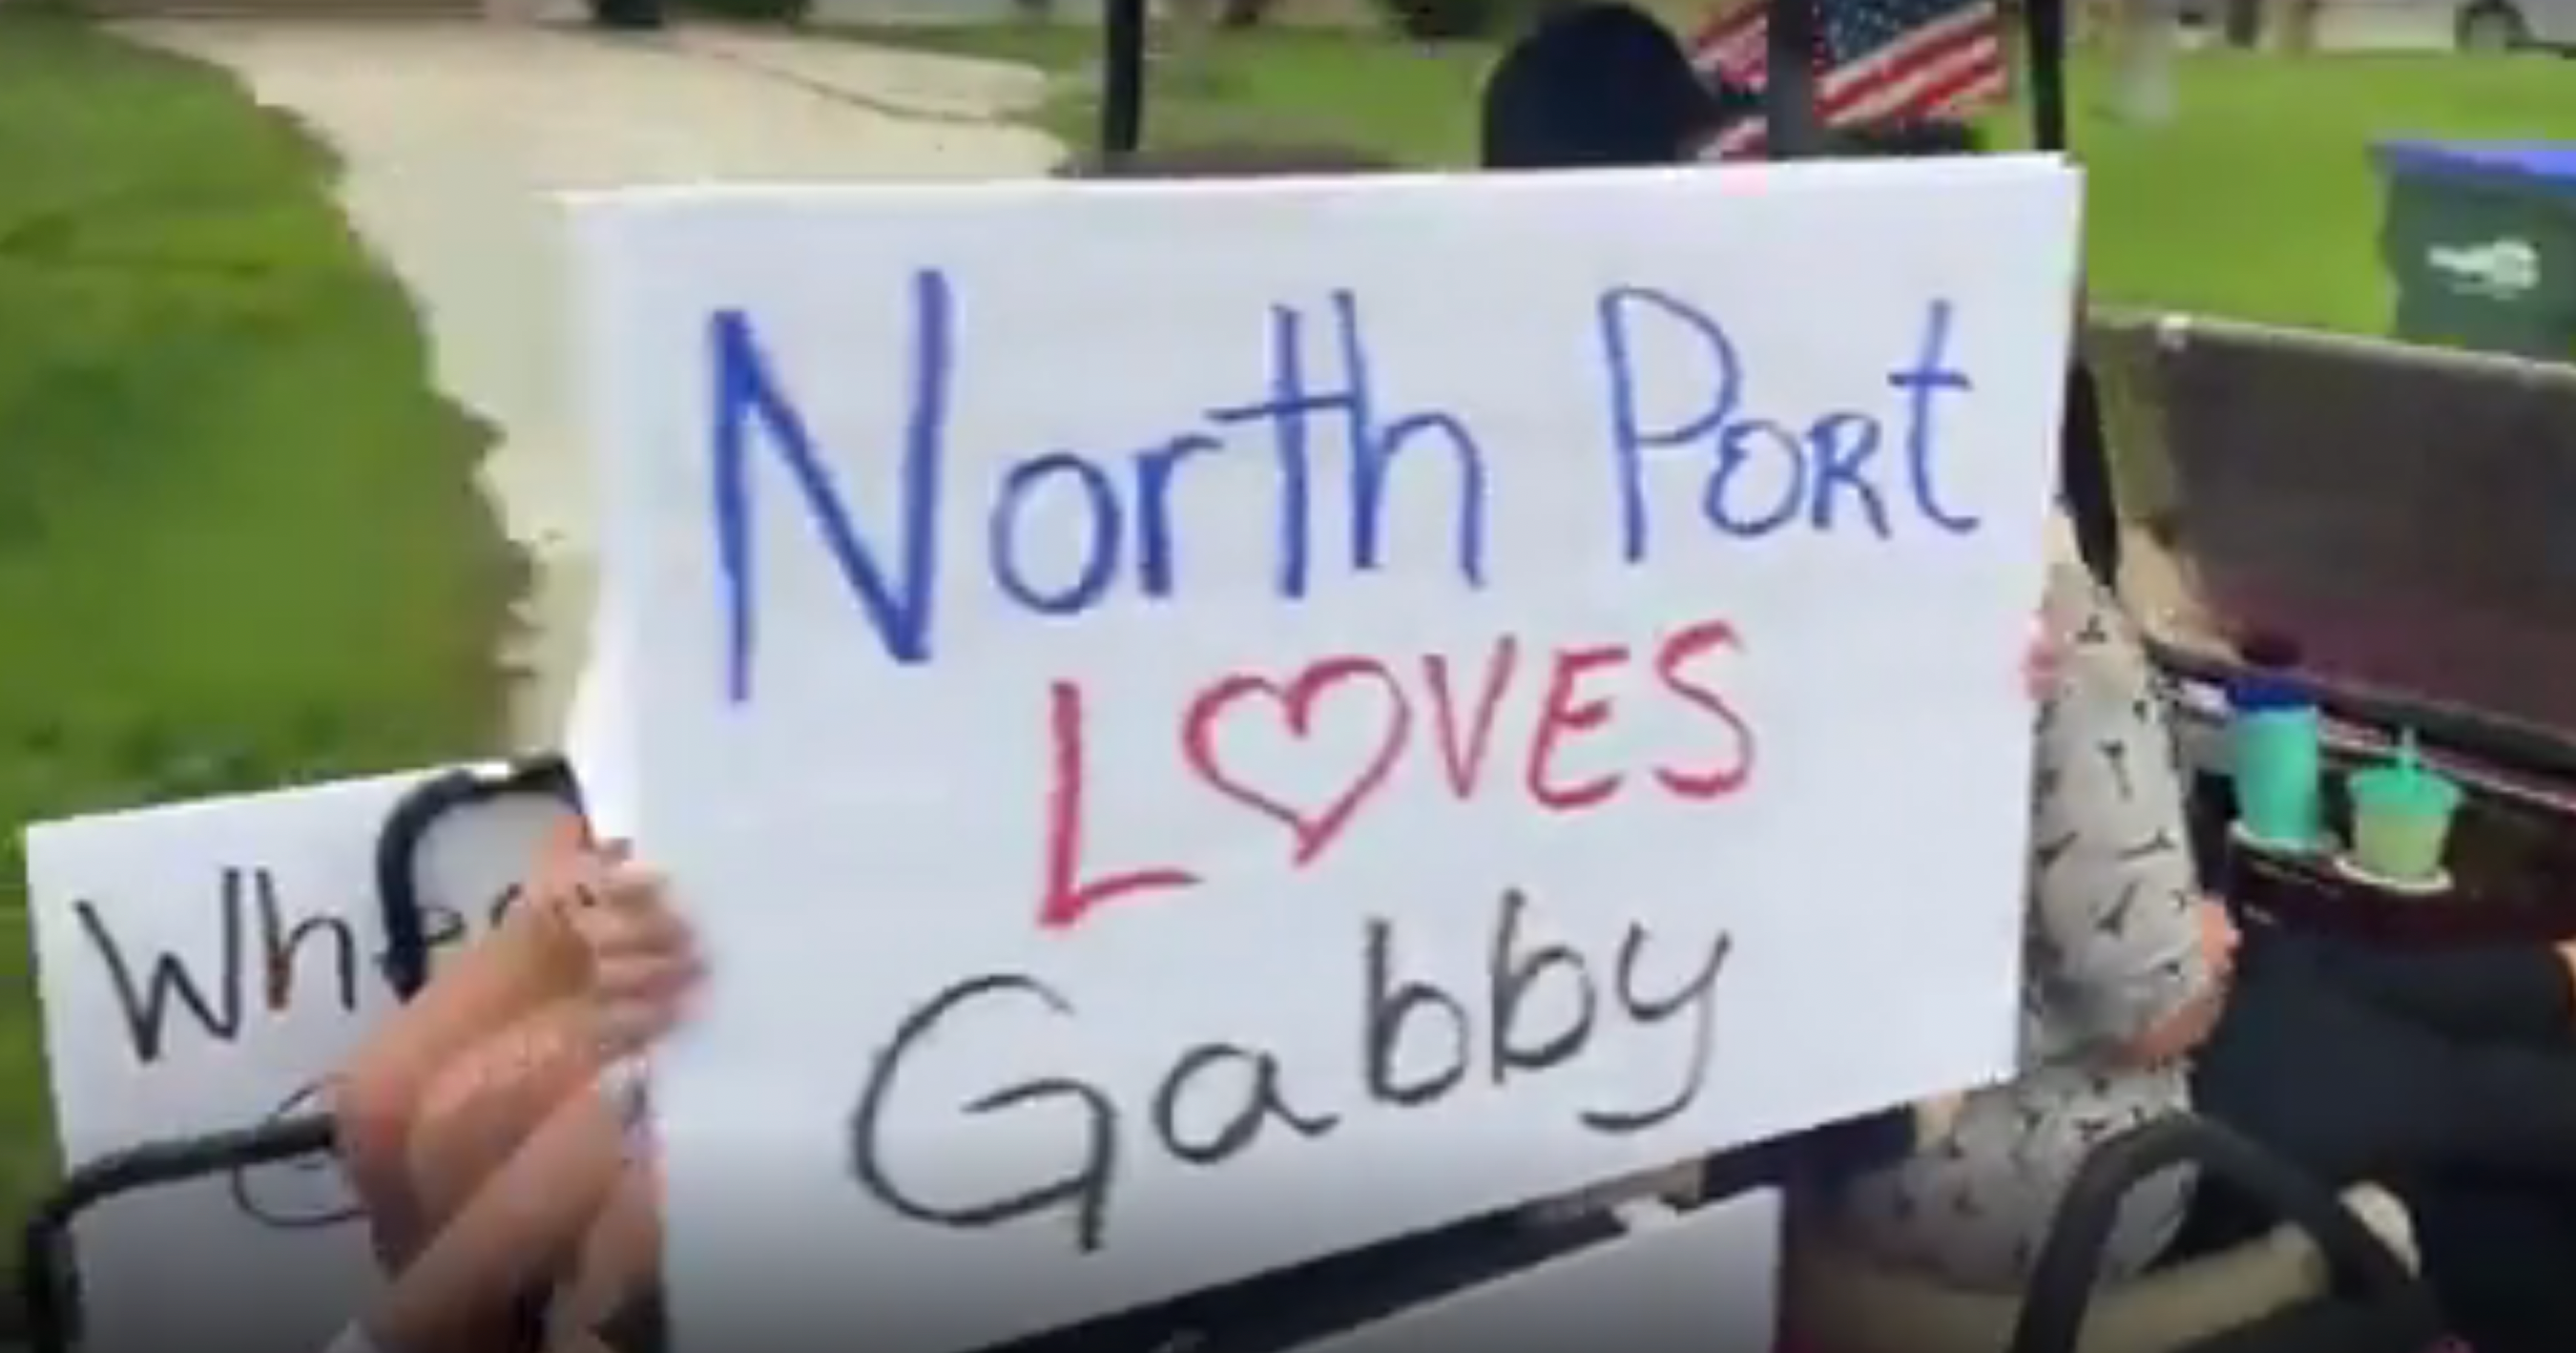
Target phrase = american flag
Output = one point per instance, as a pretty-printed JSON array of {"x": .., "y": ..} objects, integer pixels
[{"x": 1877, "y": 60}]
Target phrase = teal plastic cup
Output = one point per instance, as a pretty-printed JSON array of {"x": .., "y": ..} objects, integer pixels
[
  {"x": 2279, "y": 776},
  {"x": 2401, "y": 821}
]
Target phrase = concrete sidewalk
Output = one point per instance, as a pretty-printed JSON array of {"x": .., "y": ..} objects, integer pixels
[{"x": 457, "y": 138}]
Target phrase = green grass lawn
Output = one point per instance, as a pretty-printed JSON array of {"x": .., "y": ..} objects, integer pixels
[
  {"x": 238, "y": 540},
  {"x": 1412, "y": 101},
  {"x": 2259, "y": 202}
]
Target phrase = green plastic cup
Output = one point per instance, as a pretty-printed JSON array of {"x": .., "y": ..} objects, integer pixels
[
  {"x": 2401, "y": 819},
  {"x": 2279, "y": 766}
]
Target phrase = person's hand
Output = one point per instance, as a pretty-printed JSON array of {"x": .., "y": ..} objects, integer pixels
[
  {"x": 2191, "y": 1025},
  {"x": 2042, "y": 662},
  {"x": 2219, "y": 938},
  {"x": 639, "y": 958}
]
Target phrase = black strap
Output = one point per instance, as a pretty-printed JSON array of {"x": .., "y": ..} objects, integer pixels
[
  {"x": 2062, "y": 1282},
  {"x": 408, "y": 826}
]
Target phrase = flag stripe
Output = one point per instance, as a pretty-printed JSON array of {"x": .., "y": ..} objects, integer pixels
[
  {"x": 1930, "y": 42},
  {"x": 1929, "y": 91},
  {"x": 1877, "y": 60},
  {"x": 1732, "y": 44},
  {"x": 1904, "y": 76}
]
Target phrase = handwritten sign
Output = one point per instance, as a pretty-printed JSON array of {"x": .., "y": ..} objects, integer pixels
[
  {"x": 204, "y": 968},
  {"x": 595, "y": 729},
  {"x": 1701, "y": 1281},
  {"x": 1210, "y": 724}
]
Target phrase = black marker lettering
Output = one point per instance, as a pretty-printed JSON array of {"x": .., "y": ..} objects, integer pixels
[
  {"x": 306, "y": 1194},
  {"x": 1513, "y": 975},
  {"x": 146, "y": 1005},
  {"x": 1262, "y": 1099},
  {"x": 1390, "y": 1004},
  {"x": 1082, "y": 1192},
  {"x": 1697, "y": 997},
  {"x": 280, "y": 944}
]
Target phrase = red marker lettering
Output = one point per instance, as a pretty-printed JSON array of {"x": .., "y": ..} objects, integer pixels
[
  {"x": 1067, "y": 897},
  {"x": 1672, "y": 664},
  {"x": 1563, "y": 712},
  {"x": 1465, "y": 764}
]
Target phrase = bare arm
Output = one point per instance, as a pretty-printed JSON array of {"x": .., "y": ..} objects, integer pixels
[
  {"x": 523, "y": 1227},
  {"x": 529, "y": 960}
]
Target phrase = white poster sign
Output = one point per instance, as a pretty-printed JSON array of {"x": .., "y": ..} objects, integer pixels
[
  {"x": 595, "y": 732},
  {"x": 1208, "y": 724},
  {"x": 1705, "y": 1281},
  {"x": 204, "y": 968}
]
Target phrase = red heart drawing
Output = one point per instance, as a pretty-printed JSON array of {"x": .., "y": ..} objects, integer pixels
[{"x": 1296, "y": 703}]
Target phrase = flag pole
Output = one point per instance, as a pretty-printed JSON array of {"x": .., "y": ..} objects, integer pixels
[
  {"x": 1122, "y": 79},
  {"x": 1792, "y": 127},
  {"x": 2047, "y": 21}
]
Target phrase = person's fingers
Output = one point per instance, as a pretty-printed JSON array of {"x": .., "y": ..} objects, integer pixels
[
  {"x": 562, "y": 856},
  {"x": 647, "y": 976},
  {"x": 566, "y": 841},
  {"x": 639, "y": 919},
  {"x": 605, "y": 882},
  {"x": 577, "y": 877},
  {"x": 633, "y": 886},
  {"x": 636, "y": 934},
  {"x": 622, "y": 928},
  {"x": 626, "y": 1028},
  {"x": 2042, "y": 662},
  {"x": 644, "y": 963}
]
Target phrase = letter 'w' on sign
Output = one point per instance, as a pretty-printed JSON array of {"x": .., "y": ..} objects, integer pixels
[{"x": 1151, "y": 745}]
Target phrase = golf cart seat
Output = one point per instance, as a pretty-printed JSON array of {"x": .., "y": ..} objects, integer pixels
[
  {"x": 1839, "y": 1300},
  {"x": 2286, "y": 480}
]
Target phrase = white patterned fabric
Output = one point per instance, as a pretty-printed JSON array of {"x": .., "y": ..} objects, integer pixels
[{"x": 2112, "y": 949}]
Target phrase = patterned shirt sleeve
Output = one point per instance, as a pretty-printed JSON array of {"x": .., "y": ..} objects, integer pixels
[{"x": 2114, "y": 932}]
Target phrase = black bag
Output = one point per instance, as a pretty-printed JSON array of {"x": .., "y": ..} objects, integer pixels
[{"x": 2375, "y": 1303}]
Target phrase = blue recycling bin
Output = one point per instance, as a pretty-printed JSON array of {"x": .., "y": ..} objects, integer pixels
[{"x": 2480, "y": 238}]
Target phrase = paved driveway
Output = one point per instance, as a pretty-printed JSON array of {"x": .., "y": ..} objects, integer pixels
[{"x": 456, "y": 138}]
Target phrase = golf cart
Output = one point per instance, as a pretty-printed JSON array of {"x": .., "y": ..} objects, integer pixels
[{"x": 1838, "y": 1304}]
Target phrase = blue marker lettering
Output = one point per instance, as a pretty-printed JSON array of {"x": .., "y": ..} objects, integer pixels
[
  {"x": 1927, "y": 378},
  {"x": 1844, "y": 443},
  {"x": 1373, "y": 452},
  {"x": 1286, "y": 411},
  {"x": 1629, "y": 439},
  {"x": 1154, "y": 473},
  {"x": 1737, "y": 445},
  {"x": 1831, "y": 464},
  {"x": 748, "y": 401},
  {"x": 1101, "y": 517}
]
